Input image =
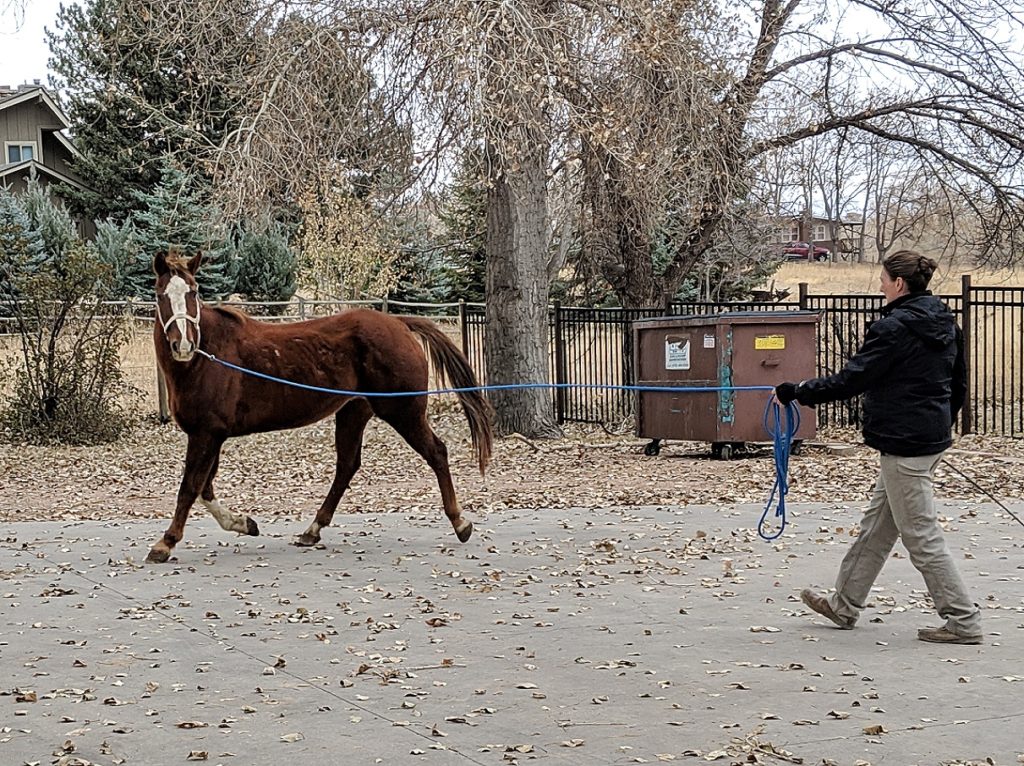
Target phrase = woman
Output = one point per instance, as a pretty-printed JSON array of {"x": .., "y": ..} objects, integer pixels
[{"x": 912, "y": 374}]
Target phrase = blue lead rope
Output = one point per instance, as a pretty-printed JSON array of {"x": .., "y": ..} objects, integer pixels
[
  {"x": 782, "y": 439},
  {"x": 467, "y": 389},
  {"x": 782, "y": 442}
]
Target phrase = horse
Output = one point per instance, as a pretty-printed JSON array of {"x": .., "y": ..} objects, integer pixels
[{"x": 358, "y": 350}]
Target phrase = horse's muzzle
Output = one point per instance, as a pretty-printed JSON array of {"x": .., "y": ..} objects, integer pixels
[{"x": 182, "y": 351}]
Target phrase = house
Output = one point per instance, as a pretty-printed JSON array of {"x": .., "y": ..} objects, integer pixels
[
  {"x": 32, "y": 135},
  {"x": 818, "y": 230}
]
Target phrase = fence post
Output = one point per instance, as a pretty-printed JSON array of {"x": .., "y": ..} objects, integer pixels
[
  {"x": 384, "y": 304},
  {"x": 560, "y": 372},
  {"x": 302, "y": 308},
  {"x": 163, "y": 405},
  {"x": 967, "y": 413},
  {"x": 463, "y": 329},
  {"x": 803, "y": 293}
]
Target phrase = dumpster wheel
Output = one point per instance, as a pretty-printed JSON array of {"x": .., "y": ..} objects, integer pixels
[
  {"x": 723, "y": 450},
  {"x": 654, "y": 448}
]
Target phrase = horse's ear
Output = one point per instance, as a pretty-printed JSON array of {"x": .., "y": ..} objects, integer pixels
[
  {"x": 194, "y": 262},
  {"x": 160, "y": 263}
]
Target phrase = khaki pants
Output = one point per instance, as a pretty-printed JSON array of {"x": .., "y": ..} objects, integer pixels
[{"x": 902, "y": 507}]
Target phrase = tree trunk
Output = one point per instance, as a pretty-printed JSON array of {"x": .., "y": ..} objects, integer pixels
[{"x": 518, "y": 289}]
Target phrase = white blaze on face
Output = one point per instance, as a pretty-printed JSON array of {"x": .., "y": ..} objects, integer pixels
[{"x": 177, "y": 289}]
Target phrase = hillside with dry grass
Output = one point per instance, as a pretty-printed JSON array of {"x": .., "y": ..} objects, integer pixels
[{"x": 862, "y": 278}]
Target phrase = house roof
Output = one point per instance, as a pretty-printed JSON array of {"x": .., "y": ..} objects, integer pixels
[
  {"x": 27, "y": 166},
  {"x": 38, "y": 94},
  {"x": 66, "y": 143}
]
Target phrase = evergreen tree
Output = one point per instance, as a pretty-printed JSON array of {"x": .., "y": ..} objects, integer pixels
[
  {"x": 174, "y": 216},
  {"x": 267, "y": 266},
  {"x": 116, "y": 245},
  {"x": 420, "y": 278},
  {"x": 50, "y": 218},
  {"x": 139, "y": 88},
  {"x": 464, "y": 261},
  {"x": 21, "y": 248}
]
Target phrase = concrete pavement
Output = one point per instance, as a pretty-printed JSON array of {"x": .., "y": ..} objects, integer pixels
[{"x": 609, "y": 636}]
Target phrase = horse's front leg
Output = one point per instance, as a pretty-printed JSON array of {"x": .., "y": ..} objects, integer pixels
[
  {"x": 228, "y": 520},
  {"x": 349, "y": 423},
  {"x": 199, "y": 460}
]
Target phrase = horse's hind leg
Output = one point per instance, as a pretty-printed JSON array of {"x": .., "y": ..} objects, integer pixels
[
  {"x": 199, "y": 459},
  {"x": 228, "y": 520},
  {"x": 409, "y": 418},
  {"x": 349, "y": 423}
]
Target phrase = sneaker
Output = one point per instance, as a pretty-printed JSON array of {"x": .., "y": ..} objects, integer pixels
[
  {"x": 820, "y": 605},
  {"x": 944, "y": 636}
]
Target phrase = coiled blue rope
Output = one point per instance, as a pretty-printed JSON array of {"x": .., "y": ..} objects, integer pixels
[
  {"x": 782, "y": 442},
  {"x": 782, "y": 438}
]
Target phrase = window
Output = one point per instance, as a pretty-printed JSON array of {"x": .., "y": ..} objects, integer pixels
[
  {"x": 819, "y": 232},
  {"x": 19, "y": 152},
  {"x": 785, "y": 233}
]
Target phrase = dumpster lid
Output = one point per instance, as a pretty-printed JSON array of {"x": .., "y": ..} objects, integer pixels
[{"x": 731, "y": 317}]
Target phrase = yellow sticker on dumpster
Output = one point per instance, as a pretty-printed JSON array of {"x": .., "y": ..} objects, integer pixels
[{"x": 769, "y": 342}]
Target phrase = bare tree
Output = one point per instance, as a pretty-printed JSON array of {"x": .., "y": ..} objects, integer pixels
[
  {"x": 655, "y": 113},
  {"x": 931, "y": 79},
  {"x": 14, "y": 8}
]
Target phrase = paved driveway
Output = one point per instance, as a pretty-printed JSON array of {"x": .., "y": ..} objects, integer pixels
[{"x": 608, "y": 636}]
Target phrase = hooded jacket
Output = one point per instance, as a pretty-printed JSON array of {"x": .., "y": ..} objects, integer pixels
[{"x": 912, "y": 372}]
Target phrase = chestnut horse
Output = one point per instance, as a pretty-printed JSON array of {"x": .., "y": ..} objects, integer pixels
[{"x": 357, "y": 350}]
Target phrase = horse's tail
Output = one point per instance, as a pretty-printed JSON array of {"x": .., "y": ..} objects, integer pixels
[{"x": 451, "y": 365}]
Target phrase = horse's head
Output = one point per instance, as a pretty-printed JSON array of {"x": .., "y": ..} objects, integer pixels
[{"x": 177, "y": 303}]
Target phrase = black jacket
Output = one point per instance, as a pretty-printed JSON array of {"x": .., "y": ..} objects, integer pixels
[{"x": 912, "y": 372}]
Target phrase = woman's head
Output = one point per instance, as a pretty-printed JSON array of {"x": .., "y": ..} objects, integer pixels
[{"x": 905, "y": 272}]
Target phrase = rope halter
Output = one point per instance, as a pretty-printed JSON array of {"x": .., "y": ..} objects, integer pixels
[{"x": 183, "y": 315}]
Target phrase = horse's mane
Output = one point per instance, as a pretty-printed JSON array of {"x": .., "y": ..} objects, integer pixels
[{"x": 176, "y": 261}]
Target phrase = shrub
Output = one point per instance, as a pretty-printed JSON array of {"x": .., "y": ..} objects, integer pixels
[{"x": 66, "y": 383}]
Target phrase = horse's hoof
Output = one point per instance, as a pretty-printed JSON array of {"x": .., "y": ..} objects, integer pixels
[
  {"x": 465, "y": 532},
  {"x": 306, "y": 541},
  {"x": 250, "y": 527},
  {"x": 158, "y": 556}
]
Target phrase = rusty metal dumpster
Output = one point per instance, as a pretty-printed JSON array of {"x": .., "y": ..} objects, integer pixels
[{"x": 743, "y": 348}]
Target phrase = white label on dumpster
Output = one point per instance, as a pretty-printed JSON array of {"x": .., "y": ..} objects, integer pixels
[
  {"x": 709, "y": 341},
  {"x": 677, "y": 354}
]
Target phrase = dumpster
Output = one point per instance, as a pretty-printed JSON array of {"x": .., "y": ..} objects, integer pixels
[{"x": 742, "y": 348}]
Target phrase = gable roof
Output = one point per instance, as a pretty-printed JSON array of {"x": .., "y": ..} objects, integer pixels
[
  {"x": 38, "y": 94},
  {"x": 27, "y": 166}
]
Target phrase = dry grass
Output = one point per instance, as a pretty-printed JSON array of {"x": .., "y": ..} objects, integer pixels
[{"x": 862, "y": 278}]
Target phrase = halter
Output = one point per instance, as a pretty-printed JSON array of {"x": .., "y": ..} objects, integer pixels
[{"x": 183, "y": 315}]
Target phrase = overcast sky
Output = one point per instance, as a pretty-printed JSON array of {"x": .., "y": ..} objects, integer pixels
[{"x": 23, "y": 49}]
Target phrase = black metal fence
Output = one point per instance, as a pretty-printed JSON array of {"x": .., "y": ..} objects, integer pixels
[
  {"x": 993, "y": 322},
  {"x": 592, "y": 347}
]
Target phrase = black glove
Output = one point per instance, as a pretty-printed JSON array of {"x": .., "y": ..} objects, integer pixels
[{"x": 785, "y": 392}]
